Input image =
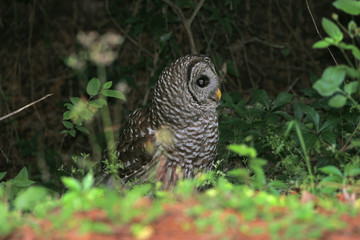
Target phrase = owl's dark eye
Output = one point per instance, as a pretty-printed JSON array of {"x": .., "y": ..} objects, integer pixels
[{"x": 202, "y": 81}]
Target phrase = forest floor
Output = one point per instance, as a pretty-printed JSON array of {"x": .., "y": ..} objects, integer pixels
[{"x": 175, "y": 223}]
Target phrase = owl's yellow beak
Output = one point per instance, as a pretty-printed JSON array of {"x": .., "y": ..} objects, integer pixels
[{"x": 218, "y": 94}]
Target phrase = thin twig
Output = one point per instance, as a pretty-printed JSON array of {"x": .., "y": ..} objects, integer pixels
[
  {"x": 296, "y": 37},
  {"x": 187, "y": 22},
  {"x": 318, "y": 32},
  {"x": 197, "y": 8},
  {"x": 23, "y": 108},
  {"x": 348, "y": 141},
  {"x": 123, "y": 32}
]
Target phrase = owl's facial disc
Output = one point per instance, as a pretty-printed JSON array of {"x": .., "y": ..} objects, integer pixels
[{"x": 204, "y": 83}]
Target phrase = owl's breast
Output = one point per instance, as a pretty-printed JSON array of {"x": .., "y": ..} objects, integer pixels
[{"x": 195, "y": 145}]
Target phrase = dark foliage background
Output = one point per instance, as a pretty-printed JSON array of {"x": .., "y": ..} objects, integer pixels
[{"x": 263, "y": 44}]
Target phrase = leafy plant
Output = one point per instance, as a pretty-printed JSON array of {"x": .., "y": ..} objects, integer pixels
[{"x": 100, "y": 51}]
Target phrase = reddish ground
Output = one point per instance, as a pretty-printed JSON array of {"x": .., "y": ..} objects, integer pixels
[{"x": 173, "y": 224}]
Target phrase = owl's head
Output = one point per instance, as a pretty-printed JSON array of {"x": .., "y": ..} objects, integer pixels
[
  {"x": 202, "y": 80},
  {"x": 188, "y": 86},
  {"x": 192, "y": 78}
]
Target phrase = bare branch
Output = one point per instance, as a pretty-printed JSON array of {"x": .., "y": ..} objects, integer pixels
[
  {"x": 187, "y": 22},
  {"x": 23, "y": 108},
  {"x": 317, "y": 30}
]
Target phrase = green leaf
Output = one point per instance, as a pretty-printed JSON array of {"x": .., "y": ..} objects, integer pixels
[
  {"x": 107, "y": 85},
  {"x": 71, "y": 183},
  {"x": 28, "y": 199},
  {"x": 68, "y": 124},
  {"x": 282, "y": 99},
  {"x": 321, "y": 44},
  {"x": 2, "y": 175},
  {"x": 69, "y": 106},
  {"x": 97, "y": 103},
  {"x": 331, "y": 170},
  {"x": 82, "y": 129},
  {"x": 351, "y": 170},
  {"x": 330, "y": 81},
  {"x": 351, "y": 87},
  {"x": 23, "y": 174},
  {"x": 88, "y": 181},
  {"x": 260, "y": 96},
  {"x": 332, "y": 30},
  {"x": 329, "y": 123},
  {"x": 67, "y": 115},
  {"x": 328, "y": 136},
  {"x": 337, "y": 101},
  {"x": 311, "y": 113},
  {"x": 165, "y": 37},
  {"x": 243, "y": 150},
  {"x": 114, "y": 94},
  {"x": 75, "y": 100},
  {"x": 351, "y": 72},
  {"x": 93, "y": 87},
  {"x": 22, "y": 179},
  {"x": 356, "y": 53},
  {"x": 351, "y": 7},
  {"x": 238, "y": 172},
  {"x": 72, "y": 132}
]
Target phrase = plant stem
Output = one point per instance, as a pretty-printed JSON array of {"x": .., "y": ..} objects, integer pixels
[{"x": 106, "y": 118}]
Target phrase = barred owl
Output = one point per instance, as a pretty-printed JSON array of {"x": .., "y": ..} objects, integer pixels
[{"x": 177, "y": 135}]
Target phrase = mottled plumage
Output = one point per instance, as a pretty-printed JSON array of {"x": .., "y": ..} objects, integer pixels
[{"x": 177, "y": 135}]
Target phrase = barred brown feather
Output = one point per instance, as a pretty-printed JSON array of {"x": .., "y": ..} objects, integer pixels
[{"x": 177, "y": 135}]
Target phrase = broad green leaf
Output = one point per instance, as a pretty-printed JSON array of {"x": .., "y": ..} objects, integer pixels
[
  {"x": 72, "y": 132},
  {"x": 298, "y": 112},
  {"x": 282, "y": 99},
  {"x": 351, "y": 7},
  {"x": 82, "y": 129},
  {"x": 2, "y": 175},
  {"x": 67, "y": 115},
  {"x": 328, "y": 136},
  {"x": 239, "y": 172},
  {"x": 355, "y": 143},
  {"x": 351, "y": 72},
  {"x": 93, "y": 87},
  {"x": 351, "y": 87},
  {"x": 351, "y": 170},
  {"x": 71, "y": 183},
  {"x": 107, "y": 85},
  {"x": 356, "y": 52},
  {"x": 114, "y": 94},
  {"x": 97, "y": 103},
  {"x": 260, "y": 96},
  {"x": 86, "y": 114},
  {"x": 243, "y": 150},
  {"x": 331, "y": 170},
  {"x": 321, "y": 44},
  {"x": 332, "y": 30},
  {"x": 329, "y": 123},
  {"x": 68, "y": 124},
  {"x": 285, "y": 115},
  {"x": 331, "y": 179},
  {"x": 69, "y": 106},
  {"x": 75, "y": 100},
  {"x": 22, "y": 182},
  {"x": 330, "y": 81},
  {"x": 337, "y": 101},
  {"x": 23, "y": 174},
  {"x": 311, "y": 113},
  {"x": 28, "y": 199},
  {"x": 88, "y": 181}
]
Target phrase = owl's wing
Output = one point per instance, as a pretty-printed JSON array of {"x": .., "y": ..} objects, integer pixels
[{"x": 133, "y": 147}]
